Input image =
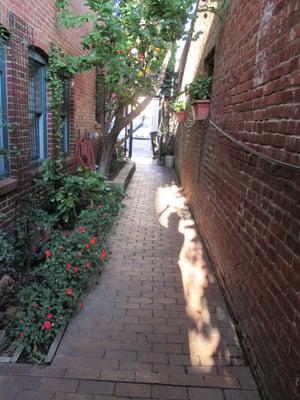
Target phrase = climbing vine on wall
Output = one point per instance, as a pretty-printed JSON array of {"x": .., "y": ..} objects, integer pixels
[{"x": 56, "y": 71}]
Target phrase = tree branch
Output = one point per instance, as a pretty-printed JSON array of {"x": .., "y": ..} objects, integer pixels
[{"x": 122, "y": 123}]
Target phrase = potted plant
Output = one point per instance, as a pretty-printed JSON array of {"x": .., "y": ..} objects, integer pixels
[
  {"x": 199, "y": 92},
  {"x": 179, "y": 108}
]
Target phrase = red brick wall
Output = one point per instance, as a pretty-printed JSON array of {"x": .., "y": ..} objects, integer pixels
[
  {"x": 33, "y": 22},
  {"x": 247, "y": 209}
]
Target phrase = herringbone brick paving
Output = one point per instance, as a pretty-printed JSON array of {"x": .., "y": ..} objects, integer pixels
[{"x": 155, "y": 326}]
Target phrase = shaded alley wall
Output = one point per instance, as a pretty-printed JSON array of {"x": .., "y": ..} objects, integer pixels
[
  {"x": 34, "y": 23},
  {"x": 247, "y": 209}
]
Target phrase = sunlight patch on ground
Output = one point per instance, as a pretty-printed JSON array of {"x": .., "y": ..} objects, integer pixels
[{"x": 203, "y": 337}]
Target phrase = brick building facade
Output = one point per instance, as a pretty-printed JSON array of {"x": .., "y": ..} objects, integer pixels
[
  {"x": 247, "y": 209},
  {"x": 27, "y": 132}
]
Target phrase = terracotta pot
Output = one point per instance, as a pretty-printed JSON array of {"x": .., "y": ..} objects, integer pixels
[
  {"x": 201, "y": 109},
  {"x": 180, "y": 116}
]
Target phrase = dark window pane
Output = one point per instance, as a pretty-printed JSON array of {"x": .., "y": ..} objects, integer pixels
[{"x": 37, "y": 110}]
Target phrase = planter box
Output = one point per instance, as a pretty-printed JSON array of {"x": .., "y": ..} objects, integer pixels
[
  {"x": 13, "y": 356},
  {"x": 10, "y": 355},
  {"x": 201, "y": 109},
  {"x": 180, "y": 116},
  {"x": 55, "y": 344},
  {"x": 123, "y": 178}
]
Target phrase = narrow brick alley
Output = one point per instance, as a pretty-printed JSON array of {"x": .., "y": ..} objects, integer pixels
[{"x": 156, "y": 325}]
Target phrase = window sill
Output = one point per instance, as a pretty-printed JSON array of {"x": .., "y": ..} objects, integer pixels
[{"x": 8, "y": 185}]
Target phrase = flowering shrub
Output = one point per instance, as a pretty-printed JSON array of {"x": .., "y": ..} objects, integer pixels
[
  {"x": 71, "y": 260},
  {"x": 68, "y": 194}
]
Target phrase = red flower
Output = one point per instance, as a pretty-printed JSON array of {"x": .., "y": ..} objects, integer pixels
[
  {"x": 47, "y": 325},
  {"x": 69, "y": 266},
  {"x": 88, "y": 265},
  {"x": 79, "y": 254},
  {"x": 21, "y": 321},
  {"x": 69, "y": 291},
  {"x": 103, "y": 254},
  {"x": 81, "y": 305},
  {"x": 101, "y": 205},
  {"x": 21, "y": 334},
  {"x": 141, "y": 57},
  {"x": 93, "y": 240},
  {"x": 81, "y": 229},
  {"x": 75, "y": 269},
  {"x": 87, "y": 246},
  {"x": 49, "y": 316},
  {"x": 48, "y": 253}
]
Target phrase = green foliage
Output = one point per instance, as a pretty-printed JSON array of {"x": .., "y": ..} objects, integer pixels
[
  {"x": 101, "y": 219},
  {"x": 56, "y": 68},
  {"x": 219, "y": 10},
  {"x": 45, "y": 305},
  {"x": 179, "y": 105},
  {"x": 171, "y": 15},
  {"x": 33, "y": 229},
  {"x": 69, "y": 263},
  {"x": 200, "y": 89},
  {"x": 171, "y": 77},
  {"x": 6, "y": 253},
  {"x": 68, "y": 194},
  {"x": 129, "y": 39},
  {"x": 3, "y": 152},
  {"x": 4, "y": 33}
]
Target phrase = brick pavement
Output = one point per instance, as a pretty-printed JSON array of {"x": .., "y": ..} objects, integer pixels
[{"x": 155, "y": 326}]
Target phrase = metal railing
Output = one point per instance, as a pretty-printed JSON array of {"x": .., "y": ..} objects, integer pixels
[{"x": 252, "y": 151}]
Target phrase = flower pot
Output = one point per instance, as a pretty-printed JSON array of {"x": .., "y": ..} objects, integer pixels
[
  {"x": 201, "y": 109},
  {"x": 180, "y": 115},
  {"x": 169, "y": 161}
]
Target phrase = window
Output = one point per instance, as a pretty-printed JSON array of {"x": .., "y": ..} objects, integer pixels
[
  {"x": 210, "y": 62},
  {"x": 3, "y": 114},
  {"x": 65, "y": 114},
  {"x": 37, "y": 108}
]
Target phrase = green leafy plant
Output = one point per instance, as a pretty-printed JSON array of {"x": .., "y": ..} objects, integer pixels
[
  {"x": 3, "y": 152},
  {"x": 68, "y": 194},
  {"x": 179, "y": 106},
  {"x": 32, "y": 230},
  {"x": 200, "y": 89},
  {"x": 7, "y": 252},
  {"x": 133, "y": 41},
  {"x": 56, "y": 85},
  {"x": 71, "y": 262}
]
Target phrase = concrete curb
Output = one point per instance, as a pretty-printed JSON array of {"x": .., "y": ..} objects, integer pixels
[{"x": 123, "y": 178}]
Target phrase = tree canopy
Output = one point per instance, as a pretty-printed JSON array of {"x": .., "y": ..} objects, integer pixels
[
  {"x": 131, "y": 42},
  {"x": 129, "y": 39}
]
